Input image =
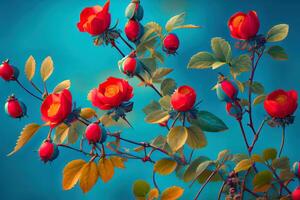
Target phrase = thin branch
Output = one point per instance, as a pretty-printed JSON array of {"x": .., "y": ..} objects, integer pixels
[
  {"x": 282, "y": 141},
  {"x": 23, "y": 87}
]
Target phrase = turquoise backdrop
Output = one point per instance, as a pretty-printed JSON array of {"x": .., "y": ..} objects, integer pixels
[{"x": 43, "y": 27}]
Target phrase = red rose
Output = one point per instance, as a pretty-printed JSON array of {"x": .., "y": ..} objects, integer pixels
[
  {"x": 183, "y": 99},
  {"x": 56, "y": 107},
  {"x": 281, "y": 103},
  {"x": 111, "y": 93},
  {"x": 244, "y": 26},
  {"x": 95, "y": 20}
]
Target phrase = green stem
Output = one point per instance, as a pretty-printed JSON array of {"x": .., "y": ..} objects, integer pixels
[{"x": 282, "y": 141}]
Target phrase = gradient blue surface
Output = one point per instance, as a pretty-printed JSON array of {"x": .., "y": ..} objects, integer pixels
[{"x": 43, "y": 27}]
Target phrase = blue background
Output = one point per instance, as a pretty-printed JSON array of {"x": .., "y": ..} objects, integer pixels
[{"x": 42, "y": 28}]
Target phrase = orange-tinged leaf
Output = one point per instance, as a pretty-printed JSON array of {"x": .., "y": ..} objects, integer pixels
[
  {"x": 47, "y": 68},
  {"x": 87, "y": 113},
  {"x": 172, "y": 193},
  {"x": 117, "y": 162},
  {"x": 71, "y": 173},
  {"x": 89, "y": 176},
  {"x": 66, "y": 84},
  {"x": 28, "y": 131},
  {"x": 177, "y": 137},
  {"x": 106, "y": 169},
  {"x": 165, "y": 166},
  {"x": 153, "y": 194},
  {"x": 61, "y": 133},
  {"x": 30, "y": 68},
  {"x": 243, "y": 165}
]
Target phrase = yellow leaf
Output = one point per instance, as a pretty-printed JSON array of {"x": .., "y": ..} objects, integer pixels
[
  {"x": 74, "y": 130},
  {"x": 243, "y": 165},
  {"x": 47, "y": 68},
  {"x": 172, "y": 193},
  {"x": 61, "y": 133},
  {"x": 106, "y": 169},
  {"x": 165, "y": 166},
  {"x": 177, "y": 137},
  {"x": 30, "y": 68},
  {"x": 174, "y": 21},
  {"x": 28, "y": 131},
  {"x": 153, "y": 194},
  {"x": 89, "y": 176},
  {"x": 117, "y": 162},
  {"x": 107, "y": 121},
  {"x": 138, "y": 149},
  {"x": 87, "y": 113},
  {"x": 71, "y": 173},
  {"x": 66, "y": 84},
  {"x": 158, "y": 116},
  {"x": 186, "y": 26}
]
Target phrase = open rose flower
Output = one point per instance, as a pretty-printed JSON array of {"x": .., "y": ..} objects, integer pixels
[
  {"x": 244, "y": 26},
  {"x": 95, "y": 20},
  {"x": 111, "y": 93},
  {"x": 56, "y": 107},
  {"x": 281, "y": 104},
  {"x": 183, "y": 99}
]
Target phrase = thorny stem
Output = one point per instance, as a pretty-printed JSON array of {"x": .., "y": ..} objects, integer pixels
[
  {"x": 282, "y": 141},
  {"x": 23, "y": 87}
]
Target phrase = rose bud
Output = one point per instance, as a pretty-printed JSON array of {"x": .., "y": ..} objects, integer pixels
[
  {"x": 48, "y": 151},
  {"x": 134, "y": 30},
  {"x": 296, "y": 194},
  {"x": 8, "y": 72},
  {"x": 227, "y": 90},
  {"x": 244, "y": 26},
  {"x": 183, "y": 99},
  {"x": 93, "y": 133},
  {"x": 111, "y": 93},
  {"x": 15, "y": 108},
  {"x": 171, "y": 43},
  {"x": 281, "y": 104},
  {"x": 233, "y": 109},
  {"x": 95, "y": 20},
  {"x": 56, "y": 108},
  {"x": 296, "y": 169},
  {"x": 130, "y": 66},
  {"x": 134, "y": 11}
]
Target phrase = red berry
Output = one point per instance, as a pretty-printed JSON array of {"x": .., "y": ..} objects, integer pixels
[
  {"x": 133, "y": 30},
  {"x": 7, "y": 71},
  {"x": 183, "y": 99},
  {"x": 93, "y": 133},
  {"x": 171, "y": 43},
  {"x": 296, "y": 194},
  {"x": 129, "y": 65},
  {"x": 15, "y": 108},
  {"x": 48, "y": 151}
]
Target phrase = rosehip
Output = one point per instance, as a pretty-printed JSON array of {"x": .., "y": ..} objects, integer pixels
[
  {"x": 134, "y": 11},
  {"x": 94, "y": 133},
  {"x": 130, "y": 66},
  {"x": 227, "y": 91},
  {"x": 48, "y": 151},
  {"x": 296, "y": 169},
  {"x": 134, "y": 30},
  {"x": 15, "y": 108},
  {"x": 296, "y": 194},
  {"x": 171, "y": 43},
  {"x": 234, "y": 110},
  {"x": 8, "y": 72},
  {"x": 183, "y": 99}
]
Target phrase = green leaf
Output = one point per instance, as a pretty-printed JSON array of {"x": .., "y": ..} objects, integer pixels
[
  {"x": 203, "y": 166},
  {"x": 238, "y": 157},
  {"x": 240, "y": 85},
  {"x": 223, "y": 155},
  {"x": 190, "y": 172},
  {"x": 165, "y": 166},
  {"x": 207, "y": 173},
  {"x": 140, "y": 188},
  {"x": 286, "y": 174},
  {"x": 257, "y": 158},
  {"x": 278, "y": 33},
  {"x": 154, "y": 27},
  {"x": 259, "y": 99},
  {"x": 217, "y": 64},
  {"x": 240, "y": 64},
  {"x": 281, "y": 163},
  {"x": 168, "y": 86},
  {"x": 196, "y": 138},
  {"x": 160, "y": 73},
  {"x": 174, "y": 21},
  {"x": 277, "y": 53},
  {"x": 150, "y": 63},
  {"x": 257, "y": 88},
  {"x": 221, "y": 49},
  {"x": 262, "y": 181},
  {"x": 209, "y": 122},
  {"x": 153, "y": 106},
  {"x": 157, "y": 117},
  {"x": 243, "y": 165},
  {"x": 269, "y": 154},
  {"x": 202, "y": 60},
  {"x": 177, "y": 137},
  {"x": 165, "y": 102}
]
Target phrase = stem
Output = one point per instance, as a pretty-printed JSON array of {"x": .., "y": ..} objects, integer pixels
[
  {"x": 204, "y": 184},
  {"x": 119, "y": 50},
  {"x": 282, "y": 141},
  {"x": 36, "y": 88},
  {"x": 244, "y": 136},
  {"x": 22, "y": 86},
  {"x": 278, "y": 179},
  {"x": 154, "y": 181},
  {"x": 45, "y": 88},
  {"x": 221, "y": 190},
  {"x": 149, "y": 84},
  {"x": 127, "y": 122},
  {"x": 257, "y": 135},
  {"x": 123, "y": 39},
  {"x": 175, "y": 120},
  {"x": 78, "y": 150}
]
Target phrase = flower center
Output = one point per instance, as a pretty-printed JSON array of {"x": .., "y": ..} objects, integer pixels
[
  {"x": 52, "y": 111},
  {"x": 237, "y": 21},
  {"x": 281, "y": 99},
  {"x": 111, "y": 90}
]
